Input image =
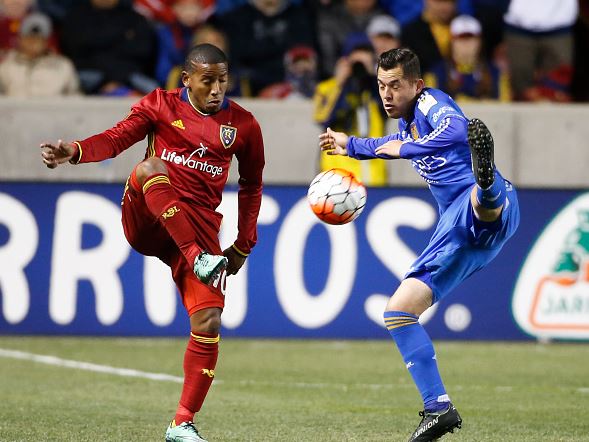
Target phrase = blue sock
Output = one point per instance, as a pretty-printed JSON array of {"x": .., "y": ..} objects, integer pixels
[
  {"x": 418, "y": 353},
  {"x": 494, "y": 196}
]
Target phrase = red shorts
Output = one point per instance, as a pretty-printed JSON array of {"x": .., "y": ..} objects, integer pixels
[{"x": 148, "y": 236}]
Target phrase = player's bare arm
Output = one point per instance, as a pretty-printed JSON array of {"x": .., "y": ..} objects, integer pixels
[
  {"x": 391, "y": 148},
  {"x": 333, "y": 143},
  {"x": 54, "y": 155}
]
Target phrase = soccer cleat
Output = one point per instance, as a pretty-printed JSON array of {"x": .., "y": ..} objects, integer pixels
[
  {"x": 435, "y": 425},
  {"x": 481, "y": 153},
  {"x": 207, "y": 266},
  {"x": 185, "y": 432}
]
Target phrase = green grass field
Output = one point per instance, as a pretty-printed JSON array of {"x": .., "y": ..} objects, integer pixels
[{"x": 268, "y": 390}]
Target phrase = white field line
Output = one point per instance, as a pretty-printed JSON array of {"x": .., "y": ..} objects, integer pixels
[
  {"x": 128, "y": 372},
  {"x": 88, "y": 366}
]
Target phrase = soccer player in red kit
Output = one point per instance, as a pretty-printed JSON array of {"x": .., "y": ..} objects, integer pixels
[{"x": 169, "y": 202}]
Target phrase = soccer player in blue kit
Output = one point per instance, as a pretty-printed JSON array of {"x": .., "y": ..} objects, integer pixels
[{"x": 478, "y": 211}]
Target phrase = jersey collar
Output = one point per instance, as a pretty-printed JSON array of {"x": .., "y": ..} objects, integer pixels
[{"x": 186, "y": 98}]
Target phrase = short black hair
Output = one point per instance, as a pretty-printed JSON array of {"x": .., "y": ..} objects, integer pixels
[
  {"x": 403, "y": 57},
  {"x": 204, "y": 54}
]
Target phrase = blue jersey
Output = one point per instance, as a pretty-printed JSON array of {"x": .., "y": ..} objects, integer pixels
[{"x": 435, "y": 140}]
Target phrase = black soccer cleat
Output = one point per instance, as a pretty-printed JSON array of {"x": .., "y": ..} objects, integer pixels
[
  {"x": 435, "y": 425},
  {"x": 481, "y": 153}
]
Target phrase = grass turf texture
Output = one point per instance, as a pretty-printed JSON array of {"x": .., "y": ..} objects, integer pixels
[{"x": 293, "y": 391}]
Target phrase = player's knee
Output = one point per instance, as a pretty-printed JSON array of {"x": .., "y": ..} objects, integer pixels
[
  {"x": 149, "y": 167},
  {"x": 412, "y": 296},
  {"x": 206, "y": 321}
]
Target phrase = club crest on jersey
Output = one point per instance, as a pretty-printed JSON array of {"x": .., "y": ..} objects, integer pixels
[
  {"x": 414, "y": 132},
  {"x": 227, "y": 135}
]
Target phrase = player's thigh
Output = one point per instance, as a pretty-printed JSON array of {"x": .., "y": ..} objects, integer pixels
[{"x": 143, "y": 231}]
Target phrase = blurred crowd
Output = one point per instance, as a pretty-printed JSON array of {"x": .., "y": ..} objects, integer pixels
[{"x": 503, "y": 50}]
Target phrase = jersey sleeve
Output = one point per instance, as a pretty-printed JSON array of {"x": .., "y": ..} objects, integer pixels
[
  {"x": 124, "y": 134},
  {"x": 251, "y": 164},
  {"x": 450, "y": 130},
  {"x": 364, "y": 148}
]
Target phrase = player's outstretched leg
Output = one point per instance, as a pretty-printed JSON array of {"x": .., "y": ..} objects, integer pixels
[
  {"x": 163, "y": 202},
  {"x": 482, "y": 153},
  {"x": 435, "y": 424},
  {"x": 185, "y": 432},
  {"x": 489, "y": 193},
  {"x": 207, "y": 266}
]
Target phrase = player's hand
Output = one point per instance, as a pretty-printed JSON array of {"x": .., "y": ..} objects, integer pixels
[
  {"x": 333, "y": 143},
  {"x": 236, "y": 261},
  {"x": 390, "y": 148},
  {"x": 54, "y": 155}
]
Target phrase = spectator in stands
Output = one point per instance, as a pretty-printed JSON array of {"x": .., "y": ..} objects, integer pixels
[
  {"x": 157, "y": 11},
  {"x": 300, "y": 66},
  {"x": 338, "y": 21},
  {"x": 175, "y": 39},
  {"x": 429, "y": 34},
  {"x": 56, "y": 9},
  {"x": 539, "y": 43},
  {"x": 12, "y": 13},
  {"x": 206, "y": 33},
  {"x": 407, "y": 11},
  {"x": 350, "y": 102},
  {"x": 112, "y": 47},
  {"x": 212, "y": 35},
  {"x": 490, "y": 14},
  {"x": 384, "y": 33},
  {"x": 260, "y": 33},
  {"x": 32, "y": 70},
  {"x": 225, "y": 6},
  {"x": 467, "y": 74}
]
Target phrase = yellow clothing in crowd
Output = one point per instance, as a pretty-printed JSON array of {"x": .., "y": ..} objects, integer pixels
[{"x": 358, "y": 114}]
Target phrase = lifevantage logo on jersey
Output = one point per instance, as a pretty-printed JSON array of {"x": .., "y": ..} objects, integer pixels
[
  {"x": 551, "y": 297},
  {"x": 188, "y": 161}
]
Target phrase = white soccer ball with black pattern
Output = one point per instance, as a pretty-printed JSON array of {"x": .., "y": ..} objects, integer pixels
[{"x": 336, "y": 196}]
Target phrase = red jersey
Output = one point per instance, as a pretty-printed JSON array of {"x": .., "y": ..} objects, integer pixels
[{"x": 197, "y": 149}]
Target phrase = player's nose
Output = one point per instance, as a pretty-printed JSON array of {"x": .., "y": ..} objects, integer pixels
[{"x": 216, "y": 88}]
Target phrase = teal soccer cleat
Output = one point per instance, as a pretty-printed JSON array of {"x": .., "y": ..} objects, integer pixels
[
  {"x": 185, "y": 432},
  {"x": 207, "y": 266}
]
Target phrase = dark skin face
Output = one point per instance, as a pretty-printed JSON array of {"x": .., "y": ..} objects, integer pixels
[{"x": 207, "y": 84}]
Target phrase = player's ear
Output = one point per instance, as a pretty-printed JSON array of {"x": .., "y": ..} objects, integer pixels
[{"x": 186, "y": 79}]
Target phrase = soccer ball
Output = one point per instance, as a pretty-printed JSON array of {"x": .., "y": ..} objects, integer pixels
[{"x": 336, "y": 196}]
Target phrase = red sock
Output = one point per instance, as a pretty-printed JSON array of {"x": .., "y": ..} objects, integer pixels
[
  {"x": 162, "y": 201},
  {"x": 200, "y": 360}
]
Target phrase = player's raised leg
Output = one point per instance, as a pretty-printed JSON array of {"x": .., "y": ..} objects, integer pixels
[
  {"x": 409, "y": 301},
  {"x": 200, "y": 361},
  {"x": 163, "y": 202},
  {"x": 488, "y": 195}
]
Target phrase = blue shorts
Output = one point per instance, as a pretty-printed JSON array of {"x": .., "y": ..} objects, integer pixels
[{"x": 462, "y": 244}]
